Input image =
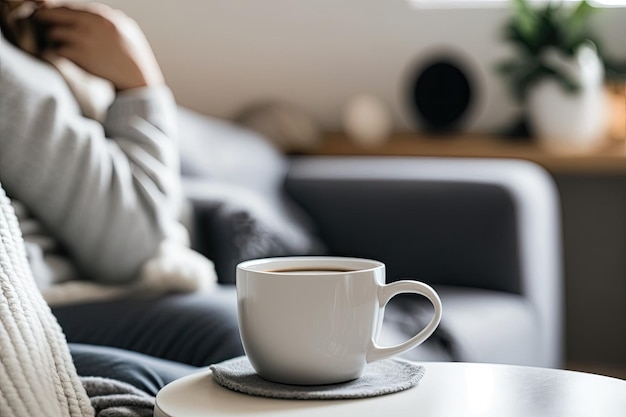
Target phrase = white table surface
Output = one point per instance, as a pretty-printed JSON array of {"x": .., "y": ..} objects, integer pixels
[{"x": 446, "y": 390}]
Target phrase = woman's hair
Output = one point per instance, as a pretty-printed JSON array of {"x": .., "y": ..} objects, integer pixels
[{"x": 18, "y": 26}]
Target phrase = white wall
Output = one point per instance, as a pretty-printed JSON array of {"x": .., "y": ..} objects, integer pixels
[{"x": 220, "y": 55}]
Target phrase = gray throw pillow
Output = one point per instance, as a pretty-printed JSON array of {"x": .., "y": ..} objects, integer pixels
[{"x": 233, "y": 224}]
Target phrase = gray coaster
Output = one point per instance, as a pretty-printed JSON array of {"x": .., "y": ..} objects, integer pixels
[{"x": 380, "y": 378}]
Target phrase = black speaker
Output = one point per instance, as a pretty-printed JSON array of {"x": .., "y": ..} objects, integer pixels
[{"x": 440, "y": 93}]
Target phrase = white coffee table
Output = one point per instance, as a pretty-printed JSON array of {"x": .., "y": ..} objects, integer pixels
[{"x": 446, "y": 390}]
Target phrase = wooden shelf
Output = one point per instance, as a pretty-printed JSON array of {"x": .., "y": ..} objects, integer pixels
[{"x": 609, "y": 159}]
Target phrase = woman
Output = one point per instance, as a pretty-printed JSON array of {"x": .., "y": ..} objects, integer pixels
[{"x": 98, "y": 199}]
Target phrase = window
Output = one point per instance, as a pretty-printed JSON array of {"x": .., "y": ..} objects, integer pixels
[{"x": 467, "y": 4}]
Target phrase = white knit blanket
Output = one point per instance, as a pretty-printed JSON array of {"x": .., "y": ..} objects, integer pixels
[{"x": 37, "y": 376}]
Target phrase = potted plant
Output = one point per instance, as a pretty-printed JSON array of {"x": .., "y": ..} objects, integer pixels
[{"x": 557, "y": 74}]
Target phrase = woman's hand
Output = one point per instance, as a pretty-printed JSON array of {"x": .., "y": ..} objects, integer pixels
[{"x": 103, "y": 41}]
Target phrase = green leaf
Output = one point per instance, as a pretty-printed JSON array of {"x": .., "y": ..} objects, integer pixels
[
  {"x": 525, "y": 18},
  {"x": 580, "y": 16},
  {"x": 576, "y": 26},
  {"x": 513, "y": 35}
]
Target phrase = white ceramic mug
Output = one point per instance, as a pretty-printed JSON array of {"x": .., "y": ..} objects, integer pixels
[{"x": 315, "y": 320}]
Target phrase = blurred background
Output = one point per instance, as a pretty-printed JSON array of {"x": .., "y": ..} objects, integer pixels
[
  {"x": 341, "y": 62},
  {"x": 221, "y": 55}
]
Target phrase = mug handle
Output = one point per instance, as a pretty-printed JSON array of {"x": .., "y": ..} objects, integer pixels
[{"x": 386, "y": 293}]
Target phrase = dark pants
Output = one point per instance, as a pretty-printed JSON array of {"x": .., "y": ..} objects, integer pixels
[
  {"x": 145, "y": 372},
  {"x": 187, "y": 329}
]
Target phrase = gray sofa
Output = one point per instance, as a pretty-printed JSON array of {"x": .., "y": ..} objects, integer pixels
[{"x": 484, "y": 233}]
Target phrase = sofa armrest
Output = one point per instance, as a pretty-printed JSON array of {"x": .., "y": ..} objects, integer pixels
[{"x": 490, "y": 224}]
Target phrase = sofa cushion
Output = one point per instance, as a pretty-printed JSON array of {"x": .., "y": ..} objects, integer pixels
[
  {"x": 451, "y": 232},
  {"x": 234, "y": 179},
  {"x": 469, "y": 330},
  {"x": 215, "y": 149}
]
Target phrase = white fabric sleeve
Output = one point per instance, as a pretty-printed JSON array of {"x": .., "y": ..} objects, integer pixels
[{"x": 107, "y": 191}]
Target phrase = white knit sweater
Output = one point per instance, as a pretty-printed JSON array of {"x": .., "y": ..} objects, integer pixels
[{"x": 37, "y": 376}]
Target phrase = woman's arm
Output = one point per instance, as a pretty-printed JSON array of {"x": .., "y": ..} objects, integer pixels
[{"x": 106, "y": 191}]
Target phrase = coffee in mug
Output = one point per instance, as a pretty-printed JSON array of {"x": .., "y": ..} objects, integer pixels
[{"x": 315, "y": 320}]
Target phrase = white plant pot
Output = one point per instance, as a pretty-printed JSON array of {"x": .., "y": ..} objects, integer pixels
[{"x": 568, "y": 122}]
